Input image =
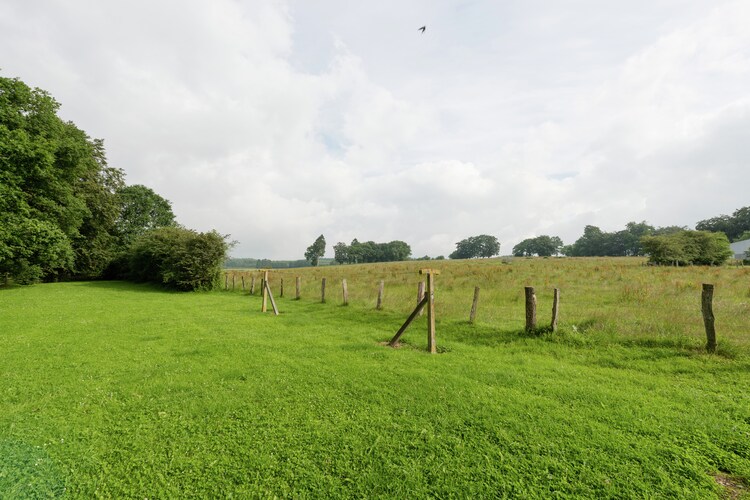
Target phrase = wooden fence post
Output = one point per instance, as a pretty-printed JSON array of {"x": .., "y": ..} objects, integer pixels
[
  {"x": 243, "y": 282},
  {"x": 379, "y": 305},
  {"x": 264, "y": 291},
  {"x": 252, "y": 285},
  {"x": 555, "y": 309},
  {"x": 345, "y": 292},
  {"x": 323, "y": 290},
  {"x": 298, "y": 286},
  {"x": 530, "y": 309},
  {"x": 270, "y": 296},
  {"x": 431, "y": 313},
  {"x": 281, "y": 292},
  {"x": 226, "y": 281},
  {"x": 707, "y": 298},
  {"x": 475, "y": 302},
  {"x": 420, "y": 294},
  {"x": 429, "y": 301},
  {"x": 232, "y": 281}
]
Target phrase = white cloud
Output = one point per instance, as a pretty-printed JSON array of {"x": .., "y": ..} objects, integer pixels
[{"x": 277, "y": 122}]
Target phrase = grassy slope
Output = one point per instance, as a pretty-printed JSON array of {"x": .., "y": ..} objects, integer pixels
[{"x": 119, "y": 390}]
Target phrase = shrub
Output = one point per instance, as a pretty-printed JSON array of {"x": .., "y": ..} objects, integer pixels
[{"x": 178, "y": 258}]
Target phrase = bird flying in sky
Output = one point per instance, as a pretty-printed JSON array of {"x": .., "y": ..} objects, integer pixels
[{"x": 422, "y": 29}]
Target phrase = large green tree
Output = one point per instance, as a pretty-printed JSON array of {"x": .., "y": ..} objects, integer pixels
[{"x": 58, "y": 193}]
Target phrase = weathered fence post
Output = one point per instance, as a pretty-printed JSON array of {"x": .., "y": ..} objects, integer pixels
[
  {"x": 379, "y": 305},
  {"x": 232, "y": 281},
  {"x": 555, "y": 309},
  {"x": 264, "y": 291},
  {"x": 281, "y": 292},
  {"x": 429, "y": 301},
  {"x": 420, "y": 294},
  {"x": 475, "y": 302},
  {"x": 323, "y": 290},
  {"x": 243, "y": 282},
  {"x": 270, "y": 296},
  {"x": 431, "y": 312},
  {"x": 252, "y": 285},
  {"x": 708, "y": 316},
  {"x": 530, "y": 309},
  {"x": 298, "y": 286},
  {"x": 226, "y": 281},
  {"x": 345, "y": 292}
]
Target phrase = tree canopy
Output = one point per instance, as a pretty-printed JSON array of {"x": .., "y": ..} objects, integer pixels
[
  {"x": 688, "y": 248},
  {"x": 483, "y": 245},
  {"x": 369, "y": 251},
  {"x": 735, "y": 226},
  {"x": 58, "y": 193},
  {"x": 543, "y": 246}
]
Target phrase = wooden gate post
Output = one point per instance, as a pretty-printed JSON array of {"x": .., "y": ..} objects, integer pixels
[
  {"x": 379, "y": 305},
  {"x": 707, "y": 298},
  {"x": 555, "y": 309},
  {"x": 530, "y": 309},
  {"x": 475, "y": 302}
]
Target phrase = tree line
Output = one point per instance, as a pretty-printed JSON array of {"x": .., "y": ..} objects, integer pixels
[{"x": 66, "y": 214}]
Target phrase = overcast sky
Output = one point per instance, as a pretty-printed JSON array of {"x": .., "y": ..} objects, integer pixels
[{"x": 277, "y": 121}]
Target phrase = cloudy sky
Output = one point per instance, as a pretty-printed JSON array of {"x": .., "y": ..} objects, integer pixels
[{"x": 276, "y": 121}]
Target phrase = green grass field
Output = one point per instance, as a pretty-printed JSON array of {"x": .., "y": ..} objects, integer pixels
[{"x": 118, "y": 390}]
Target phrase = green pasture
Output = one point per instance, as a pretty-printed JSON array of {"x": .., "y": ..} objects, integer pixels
[{"x": 117, "y": 390}]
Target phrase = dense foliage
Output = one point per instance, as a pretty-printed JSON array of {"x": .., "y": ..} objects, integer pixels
[
  {"x": 369, "y": 251},
  {"x": 688, "y": 248},
  {"x": 58, "y": 203},
  {"x": 64, "y": 213},
  {"x": 179, "y": 258},
  {"x": 736, "y": 226},
  {"x": 483, "y": 245},
  {"x": 543, "y": 246},
  {"x": 625, "y": 243},
  {"x": 141, "y": 209}
]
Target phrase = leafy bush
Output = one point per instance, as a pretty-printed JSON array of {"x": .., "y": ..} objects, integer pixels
[{"x": 178, "y": 258}]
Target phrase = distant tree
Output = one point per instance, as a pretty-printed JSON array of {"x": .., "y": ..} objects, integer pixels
[
  {"x": 316, "y": 251},
  {"x": 341, "y": 252},
  {"x": 370, "y": 251},
  {"x": 543, "y": 246},
  {"x": 141, "y": 210},
  {"x": 744, "y": 236},
  {"x": 733, "y": 226},
  {"x": 688, "y": 248},
  {"x": 476, "y": 246}
]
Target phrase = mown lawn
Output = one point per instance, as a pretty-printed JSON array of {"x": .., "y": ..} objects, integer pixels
[{"x": 120, "y": 390}]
